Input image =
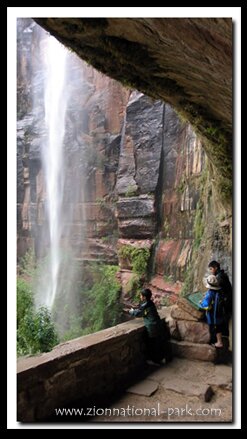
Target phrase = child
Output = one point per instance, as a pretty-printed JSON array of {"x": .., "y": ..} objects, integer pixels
[
  {"x": 214, "y": 311},
  {"x": 157, "y": 344},
  {"x": 225, "y": 284}
]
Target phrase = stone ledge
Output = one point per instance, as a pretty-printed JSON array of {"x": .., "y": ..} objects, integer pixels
[
  {"x": 139, "y": 228},
  {"x": 135, "y": 207},
  {"x": 193, "y": 351},
  {"x": 90, "y": 369},
  {"x": 80, "y": 344}
]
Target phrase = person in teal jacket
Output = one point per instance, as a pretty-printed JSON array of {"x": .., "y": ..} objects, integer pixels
[
  {"x": 157, "y": 336},
  {"x": 213, "y": 305}
]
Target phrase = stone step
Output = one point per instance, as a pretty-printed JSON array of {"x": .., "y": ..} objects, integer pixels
[
  {"x": 199, "y": 351},
  {"x": 193, "y": 377},
  {"x": 145, "y": 387},
  {"x": 195, "y": 351}
]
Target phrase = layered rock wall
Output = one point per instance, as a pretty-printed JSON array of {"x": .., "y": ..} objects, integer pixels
[
  {"x": 186, "y": 62},
  {"x": 94, "y": 122},
  {"x": 142, "y": 176}
]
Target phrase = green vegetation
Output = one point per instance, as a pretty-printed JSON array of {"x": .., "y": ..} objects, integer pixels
[
  {"x": 88, "y": 304},
  {"x": 199, "y": 225},
  {"x": 24, "y": 300},
  {"x": 106, "y": 239},
  {"x": 181, "y": 186},
  {"x": 130, "y": 192},
  {"x": 217, "y": 143},
  {"x": 35, "y": 330},
  {"x": 134, "y": 287},
  {"x": 102, "y": 308},
  {"x": 166, "y": 228},
  {"x": 100, "y": 201},
  {"x": 82, "y": 305},
  {"x": 203, "y": 186},
  {"x": 75, "y": 327},
  {"x": 165, "y": 301},
  {"x": 137, "y": 257},
  {"x": 188, "y": 283},
  {"x": 27, "y": 266},
  {"x": 168, "y": 278}
]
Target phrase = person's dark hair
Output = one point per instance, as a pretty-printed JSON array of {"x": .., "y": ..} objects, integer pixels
[
  {"x": 147, "y": 293},
  {"x": 214, "y": 264}
]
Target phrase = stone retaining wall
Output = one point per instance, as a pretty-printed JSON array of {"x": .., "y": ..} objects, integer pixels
[
  {"x": 90, "y": 369},
  {"x": 93, "y": 370}
]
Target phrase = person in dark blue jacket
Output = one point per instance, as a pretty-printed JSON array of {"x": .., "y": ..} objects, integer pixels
[
  {"x": 226, "y": 290},
  {"x": 157, "y": 336},
  {"x": 213, "y": 305}
]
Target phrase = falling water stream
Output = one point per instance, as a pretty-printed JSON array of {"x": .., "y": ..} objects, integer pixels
[
  {"x": 58, "y": 164},
  {"x": 55, "y": 102}
]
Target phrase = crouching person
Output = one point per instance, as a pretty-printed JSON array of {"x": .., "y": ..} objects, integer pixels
[{"x": 158, "y": 346}]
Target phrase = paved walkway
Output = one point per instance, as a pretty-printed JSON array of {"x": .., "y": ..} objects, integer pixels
[{"x": 181, "y": 391}]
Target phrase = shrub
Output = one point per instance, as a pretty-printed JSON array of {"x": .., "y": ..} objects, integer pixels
[
  {"x": 24, "y": 300},
  {"x": 35, "y": 329},
  {"x": 138, "y": 258},
  {"x": 103, "y": 307}
]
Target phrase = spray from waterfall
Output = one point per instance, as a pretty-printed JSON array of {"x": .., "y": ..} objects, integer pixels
[
  {"x": 56, "y": 162},
  {"x": 58, "y": 189},
  {"x": 55, "y": 103}
]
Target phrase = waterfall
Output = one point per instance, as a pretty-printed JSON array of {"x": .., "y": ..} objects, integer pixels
[
  {"x": 57, "y": 166},
  {"x": 55, "y": 104}
]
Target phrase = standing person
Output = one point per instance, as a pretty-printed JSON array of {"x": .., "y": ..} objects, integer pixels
[
  {"x": 157, "y": 341},
  {"x": 226, "y": 291},
  {"x": 212, "y": 304}
]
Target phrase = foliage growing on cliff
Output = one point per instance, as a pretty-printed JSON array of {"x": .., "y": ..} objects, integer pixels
[
  {"x": 79, "y": 309},
  {"x": 181, "y": 185},
  {"x": 198, "y": 225},
  {"x": 188, "y": 283},
  {"x": 169, "y": 278},
  {"x": 134, "y": 287},
  {"x": 166, "y": 229},
  {"x": 130, "y": 191},
  {"x": 27, "y": 265},
  {"x": 138, "y": 258},
  {"x": 102, "y": 309}
]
